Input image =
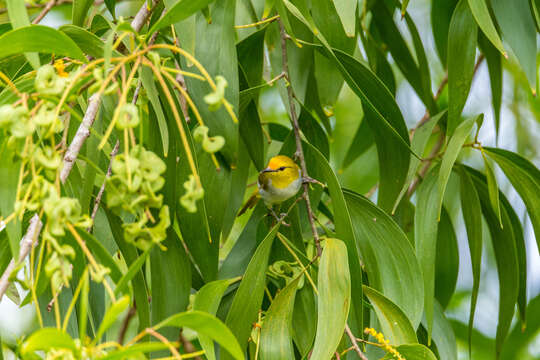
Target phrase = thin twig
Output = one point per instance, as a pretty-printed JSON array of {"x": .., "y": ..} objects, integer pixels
[
  {"x": 28, "y": 241},
  {"x": 125, "y": 323},
  {"x": 93, "y": 106},
  {"x": 188, "y": 346},
  {"x": 354, "y": 343},
  {"x": 299, "y": 154},
  {"x": 44, "y": 12}
]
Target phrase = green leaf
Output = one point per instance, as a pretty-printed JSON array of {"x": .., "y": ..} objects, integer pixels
[
  {"x": 347, "y": 13},
  {"x": 129, "y": 253},
  {"x": 88, "y": 42},
  {"x": 506, "y": 259},
  {"x": 18, "y": 17},
  {"x": 79, "y": 10},
  {"x": 447, "y": 260},
  {"x": 494, "y": 63},
  {"x": 425, "y": 237},
  {"x": 417, "y": 76},
  {"x": 111, "y": 316},
  {"x": 362, "y": 141},
  {"x": 276, "y": 338},
  {"x": 181, "y": 10},
  {"x": 38, "y": 38},
  {"x": 518, "y": 29},
  {"x": 441, "y": 14},
  {"x": 83, "y": 304},
  {"x": 249, "y": 296},
  {"x": 443, "y": 335},
  {"x": 111, "y": 6},
  {"x": 451, "y": 153},
  {"x": 209, "y": 326},
  {"x": 388, "y": 256},
  {"x": 9, "y": 172},
  {"x": 462, "y": 37},
  {"x": 525, "y": 178},
  {"x": 207, "y": 300},
  {"x": 519, "y": 341},
  {"x": 493, "y": 188},
  {"x": 46, "y": 339},
  {"x": 472, "y": 214},
  {"x": 481, "y": 14},
  {"x": 344, "y": 230},
  {"x": 413, "y": 352},
  {"x": 394, "y": 324},
  {"x": 147, "y": 80},
  {"x": 418, "y": 144},
  {"x": 134, "y": 268},
  {"x": 334, "y": 299}
]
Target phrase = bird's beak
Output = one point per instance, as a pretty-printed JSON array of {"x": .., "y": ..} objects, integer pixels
[{"x": 267, "y": 170}]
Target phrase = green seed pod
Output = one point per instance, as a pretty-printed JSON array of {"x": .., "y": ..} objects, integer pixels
[
  {"x": 6, "y": 115},
  {"x": 48, "y": 82},
  {"x": 21, "y": 125},
  {"x": 213, "y": 144},
  {"x": 200, "y": 133},
  {"x": 128, "y": 117},
  {"x": 215, "y": 98},
  {"x": 193, "y": 193},
  {"x": 48, "y": 158}
]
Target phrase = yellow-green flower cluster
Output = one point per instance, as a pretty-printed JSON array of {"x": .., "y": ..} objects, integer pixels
[{"x": 383, "y": 343}]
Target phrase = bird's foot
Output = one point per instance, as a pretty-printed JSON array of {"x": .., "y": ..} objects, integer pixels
[{"x": 279, "y": 218}]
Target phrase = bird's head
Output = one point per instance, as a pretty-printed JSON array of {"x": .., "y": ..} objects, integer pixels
[{"x": 282, "y": 170}]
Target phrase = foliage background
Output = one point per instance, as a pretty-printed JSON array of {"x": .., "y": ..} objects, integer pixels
[{"x": 519, "y": 132}]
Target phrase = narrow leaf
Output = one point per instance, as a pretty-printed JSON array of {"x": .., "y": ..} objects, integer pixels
[
  {"x": 179, "y": 11},
  {"x": 112, "y": 314},
  {"x": 18, "y": 17},
  {"x": 276, "y": 332},
  {"x": 394, "y": 324},
  {"x": 481, "y": 14},
  {"x": 461, "y": 54},
  {"x": 493, "y": 188},
  {"x": 334, "y": 299},
  {"x": 46, "y": 339},
  {"x": 79, "y": 10}
]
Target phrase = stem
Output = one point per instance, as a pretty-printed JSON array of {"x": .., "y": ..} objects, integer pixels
[
  {"x": 45, "y": 11},
  {"x": 299, "y": 151},
  {"x": 354, "y": 343},
  {"x": 125, "y": 324},
  {"x": 28, "y": 241}
]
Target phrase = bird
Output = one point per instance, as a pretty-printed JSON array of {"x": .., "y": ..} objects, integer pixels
[{"x": 278, "y": 182}]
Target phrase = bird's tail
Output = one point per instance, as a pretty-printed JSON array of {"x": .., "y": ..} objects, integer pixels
[{"x": 251, "y": 202}]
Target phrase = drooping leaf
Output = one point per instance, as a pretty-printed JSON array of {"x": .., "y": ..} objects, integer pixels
[
  {"x": 493, "y": 188},
  {"x": 9, "y": 172},
  {"x": 462, "y": 36},
  {"x": 276, "y": 338},
  {"x": 394, "y": 324},
  {"x": 207, "y": 300},
  {"x": 249, "y": 296},
  {"x": 443, "y": 335},
  {"x": 425, "y": 238},
  {"x": 347, "y": 14},
  {"x": 494, "y": 63},
  {"x": 388, "y": 256},
  {"x": 482, "y": 16},
  {"x": 334, "y": 299},
  {"x": 518, "y": 29},
  {"x": 472, "y": 215},
  {"x": 525, "y": 178},
  {"x": 79, "y": 11},
  {"x": 209, "y": 326},
  {"x": 441, "y": 15},
  {"x": 133, "y": 269},
  {"x": 506, "y": 258},
  {"x": 452, "y": 151},
  {"x": 447, "y": 260}
]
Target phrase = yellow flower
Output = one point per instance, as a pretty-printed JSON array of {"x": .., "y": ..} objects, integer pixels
[{"x": 60, "y": 68}]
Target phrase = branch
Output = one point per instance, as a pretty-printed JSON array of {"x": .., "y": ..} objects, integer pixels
[
  {"x": 354, "y": 343},
  {"x": 93, "y": 106},
  {"x": 27, "y": 242},
  {"x": 299, "y": 154}
]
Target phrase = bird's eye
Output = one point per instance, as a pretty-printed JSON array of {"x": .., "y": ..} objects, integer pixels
[{"x": 282, "y": 168}]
